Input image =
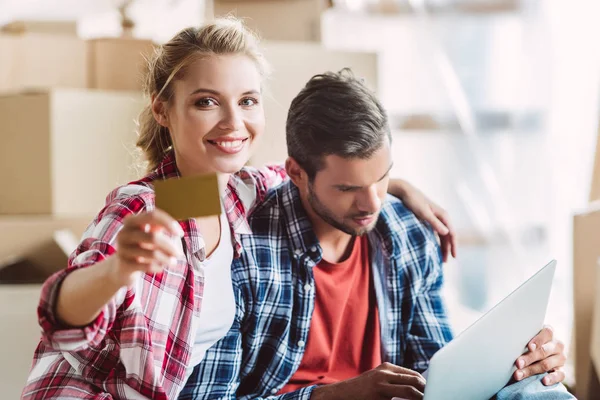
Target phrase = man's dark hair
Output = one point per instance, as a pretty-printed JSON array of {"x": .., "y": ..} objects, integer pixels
[{"x": 335, "y": 113}]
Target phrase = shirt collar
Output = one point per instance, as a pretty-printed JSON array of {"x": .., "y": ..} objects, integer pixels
[{"x": 299, "y": 227}]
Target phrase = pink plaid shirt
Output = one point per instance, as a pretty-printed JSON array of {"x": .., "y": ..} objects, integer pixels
[{"x": 140, "y": 344}]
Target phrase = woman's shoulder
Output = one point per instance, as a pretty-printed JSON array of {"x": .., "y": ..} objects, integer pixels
[
  {"x": 133, "y": 197},
  {"x": 252, "y": 184},
  {"x": 140, "y": 188}
]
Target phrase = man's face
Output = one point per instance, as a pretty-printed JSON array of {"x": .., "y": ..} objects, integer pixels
[{"x": 348, "y": 193}]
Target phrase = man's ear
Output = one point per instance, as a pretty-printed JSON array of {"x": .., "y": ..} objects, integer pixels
[
  {"x": 159, "y": 110},
  {"x": 295, "y": 172}
]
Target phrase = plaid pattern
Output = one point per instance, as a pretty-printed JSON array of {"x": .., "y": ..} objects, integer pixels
[
  {"x": 139, "y": 345},
  {"x": 275, "y": 293}
]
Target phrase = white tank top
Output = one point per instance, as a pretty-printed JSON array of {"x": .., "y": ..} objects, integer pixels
[{"x": 218, "y": 303}]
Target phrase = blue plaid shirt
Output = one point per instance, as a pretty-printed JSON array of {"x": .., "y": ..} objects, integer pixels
[{"x": 275, "y": 295}]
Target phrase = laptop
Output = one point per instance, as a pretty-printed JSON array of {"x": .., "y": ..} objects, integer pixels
[{"x": 480, "y": 361}]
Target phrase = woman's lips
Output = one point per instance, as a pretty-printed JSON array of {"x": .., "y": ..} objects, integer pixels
[{"x": 229, "y": 145}]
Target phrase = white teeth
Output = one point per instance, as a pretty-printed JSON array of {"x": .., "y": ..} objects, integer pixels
[{"x": 235, "y": 143}]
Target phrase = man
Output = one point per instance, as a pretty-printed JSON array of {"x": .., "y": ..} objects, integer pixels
[{"x": 338, "y": 287}]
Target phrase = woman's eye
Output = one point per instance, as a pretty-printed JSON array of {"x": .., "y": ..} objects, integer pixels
[
  {"x": 206, "y": 102},
  {"x": 249, "y": 102}
]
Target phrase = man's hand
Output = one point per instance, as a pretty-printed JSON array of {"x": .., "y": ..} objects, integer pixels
[
  {"x": 545, "y": 355},
  {"x": 384, "y": 382},
  {"x": 426, "y": 210}
]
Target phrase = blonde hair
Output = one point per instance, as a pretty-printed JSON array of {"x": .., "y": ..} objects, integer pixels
[{"x": 223, "y": 36}]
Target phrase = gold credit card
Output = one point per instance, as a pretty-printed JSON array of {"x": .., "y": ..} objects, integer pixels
[{"x": 189, "y": 197}]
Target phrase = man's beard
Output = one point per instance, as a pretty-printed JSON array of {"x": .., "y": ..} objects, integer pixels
[{"x": 326, "y": 215}]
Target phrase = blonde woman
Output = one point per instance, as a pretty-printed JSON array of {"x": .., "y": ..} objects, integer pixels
[{"x": 144, "y": 296}]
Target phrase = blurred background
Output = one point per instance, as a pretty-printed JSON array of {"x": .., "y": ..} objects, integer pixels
[{"x": 493, "y": 107}]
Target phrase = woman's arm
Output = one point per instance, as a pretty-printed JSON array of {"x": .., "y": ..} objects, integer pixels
[
  {"x": 426, "y": 210},
  {"x": 143, "y": 247}
]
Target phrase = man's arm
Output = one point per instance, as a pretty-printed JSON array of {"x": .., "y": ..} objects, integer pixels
[
  {"x": 385, "y": 382},
  {"x": 430, "y": 329}
]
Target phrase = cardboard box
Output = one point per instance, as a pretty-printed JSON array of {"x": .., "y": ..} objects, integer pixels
[
  {"x": 594, "y": 382},
  {"x": 52, "y": 27},
  {"x": 293, "y": 65},
  {"x": 586, "y": 256},
  {"x": 64, "y": 150},
  {"x": 298, "y": 20},
  {"x": 42, "y": 242},
  {"x": 23, "y": 241},
  {"x": 35, "y": 60},
  {"x": 117, "y": 63},
  {"x": 18, "y": 343}
]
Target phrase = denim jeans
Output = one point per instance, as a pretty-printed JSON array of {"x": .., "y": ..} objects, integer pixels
[{"x": 532, "y": 388}]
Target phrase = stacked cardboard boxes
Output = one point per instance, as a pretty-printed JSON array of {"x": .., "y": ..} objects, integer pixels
[
  {"x": 68, "y": 108},
  {"x": 46, "y": 55}
]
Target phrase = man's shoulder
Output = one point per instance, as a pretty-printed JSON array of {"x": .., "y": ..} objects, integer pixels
[
  {"x": 397, "y": 215},
  {"x": 272, "y": 207},
  {"x": 403, "y": 226}
]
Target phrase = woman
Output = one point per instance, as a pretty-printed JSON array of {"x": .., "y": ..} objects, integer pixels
[{"x": 124, "y": 320}]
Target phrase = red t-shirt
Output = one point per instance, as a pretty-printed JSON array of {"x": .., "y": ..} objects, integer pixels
[{"x": 344, "y": 339}]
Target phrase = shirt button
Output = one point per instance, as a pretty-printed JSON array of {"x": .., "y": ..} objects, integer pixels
[
  {"x": 307, "y": 287},
  {"x": 274, "y": 390},
  {"x": 301, "y": 343},
  {"x": 313, "y": 249}
]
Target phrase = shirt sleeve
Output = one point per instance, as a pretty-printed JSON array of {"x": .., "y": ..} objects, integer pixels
[
  {"x": 430, "y": 329},
  {"x": 96, "y": 245}
]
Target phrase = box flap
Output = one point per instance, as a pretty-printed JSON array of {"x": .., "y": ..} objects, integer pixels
[
  {"x": 36, "y": 265},
  {"x": 44, "y": 241},
  {"x": 53, "y": 255}
]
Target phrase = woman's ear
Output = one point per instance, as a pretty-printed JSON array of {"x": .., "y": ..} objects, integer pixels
[{"x": 159, "y": 110}]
